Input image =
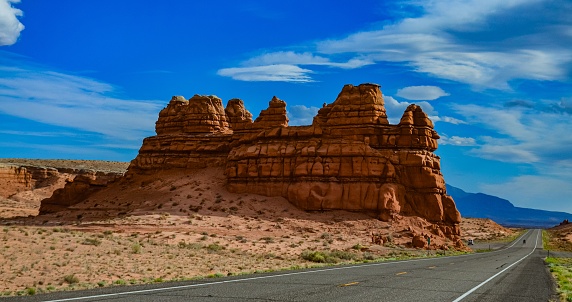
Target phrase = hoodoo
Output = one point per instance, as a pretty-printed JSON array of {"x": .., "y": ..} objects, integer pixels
[{"x": 350, "y": 158}]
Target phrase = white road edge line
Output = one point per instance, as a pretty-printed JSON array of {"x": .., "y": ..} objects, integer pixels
[
  {"x": 239, "y": 280},
  {"x": 255, "y": 278},
  {"x": 495, "y": 275}
]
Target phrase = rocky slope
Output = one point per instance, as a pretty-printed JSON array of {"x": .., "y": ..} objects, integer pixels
[{"x": 350, "y": 158}]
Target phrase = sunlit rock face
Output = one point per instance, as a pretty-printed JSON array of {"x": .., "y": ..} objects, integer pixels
[{"x": 350, "y": 158}]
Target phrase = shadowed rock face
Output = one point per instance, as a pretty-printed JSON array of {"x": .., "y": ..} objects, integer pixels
[
  {"x": 350, "y": 158},
  {"x": 76, "y": 190}
]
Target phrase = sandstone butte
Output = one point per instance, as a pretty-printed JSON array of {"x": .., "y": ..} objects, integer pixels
[{"x": 349, "y": 158}]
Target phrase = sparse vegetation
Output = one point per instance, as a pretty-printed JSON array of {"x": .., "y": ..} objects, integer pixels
[
  {"x": 136, "y": 248},
  {"x": 328, "y": 257},
  {"x": 71, "y": 279},
  {"x": 561, "y": 269},
  {"x": 91, "y": 241}
]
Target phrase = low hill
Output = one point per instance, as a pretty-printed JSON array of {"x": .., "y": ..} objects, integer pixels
[{"x": 479, "y": 205}]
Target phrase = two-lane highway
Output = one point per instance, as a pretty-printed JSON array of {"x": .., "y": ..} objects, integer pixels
[{"x": 516, "y": 273}]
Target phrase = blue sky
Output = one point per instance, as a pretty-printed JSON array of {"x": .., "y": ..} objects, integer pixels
[{"x": 86, "y": 79}]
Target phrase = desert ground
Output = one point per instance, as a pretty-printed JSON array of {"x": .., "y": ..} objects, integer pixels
[{"x": 167, "y": 226}]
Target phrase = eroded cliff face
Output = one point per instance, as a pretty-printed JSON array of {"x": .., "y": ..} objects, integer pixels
[
  {"x": 77, "y": 189},
  {"x": 16, "y": 178},
  {"x": 26, "y": 188},
  {"x": 350, "y": 158}
]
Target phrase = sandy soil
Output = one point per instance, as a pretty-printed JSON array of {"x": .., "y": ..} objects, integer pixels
[
  {"x": 560, "y": 238},
  {"x": 184, "y": 224},
  {"x": 484, "y": 230}
]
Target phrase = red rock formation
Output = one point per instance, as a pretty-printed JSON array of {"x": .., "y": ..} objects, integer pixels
[
  {"x": 350, "y": 158},
  {"x": 238, "y": 117},
  {"x": 16, "y": 178},
  {"x": 198, "y": 115},
  {"x": 274, "y": 116},
  {"x": 26, "y": 184},
  {"x": 76, "y": 190}
]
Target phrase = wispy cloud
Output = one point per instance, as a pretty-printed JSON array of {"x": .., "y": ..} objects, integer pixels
[
  {"x": 457, "y": 140},
  {"x": 305, "y": 58},
  {"x": 395, "y": 108},
  {"x": 270, "y": 73},
  {"x": 10, "y": 26},
  {"x": 39, "y": 133},
  {"x": 447, "y": 119},
  {"x": 421, "y": 93},
  {"x": 285, "y": 66},
  {"x": 75, "y": 102},
  {"x": 440, "y": 42},
  {"x": 527, "y": 134}
]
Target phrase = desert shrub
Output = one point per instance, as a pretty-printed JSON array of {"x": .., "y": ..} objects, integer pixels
[
  {"x": 71, "y": 279},
  {"x": 192, "y": 245},
  {"x": 314, "y": 256},
  {"x": 343, "y": 255},
  {"x": 368, "y": 256},
  {"x": 91, "y": 241},
  {"x": 136, "y": 248},
  {"x": 357, "y": 246},
  {"x": 213, "y": 247},
  {"x": 267, "y": 239},
  {"x": 328, "y": 257},
  {"x": 217, "y": 275}
]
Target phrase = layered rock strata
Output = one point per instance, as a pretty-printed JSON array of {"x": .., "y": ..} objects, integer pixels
[
  {"x": 16, "y": 178},
  {"x": 26, "y": 185},
  {"x": 350, "y": 158}
]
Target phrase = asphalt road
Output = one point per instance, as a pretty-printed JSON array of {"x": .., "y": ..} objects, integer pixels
[{"x": 516, "y": 273}]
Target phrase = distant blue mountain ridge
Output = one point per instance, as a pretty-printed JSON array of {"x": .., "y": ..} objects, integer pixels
[{"x": 502, "y": 211}]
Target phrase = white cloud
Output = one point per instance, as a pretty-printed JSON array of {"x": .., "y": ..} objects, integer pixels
[
  {"x": 273, "y": 73},
  {"x": 442, "y": 42},
  {"x": 395, "y": 109},
  {"x": 527, "y": 135},
  {"x": 447, "y": 119},
  {"x": 284, "y": 66},
  {"x": 300, "y": 115},
  {"x": 39, "y": 133},
  {"x": 421, "y": 93},
  {"x": 535, "y": 191},
  {"x": 505, "y": 153},
  {"x": 74, "y": 102},
  {"x": 484, "y": 43},
  {"x": 10, "y": 26},
  {"x": 306, "y": 58},
  {"x": 457, "y": 141}
]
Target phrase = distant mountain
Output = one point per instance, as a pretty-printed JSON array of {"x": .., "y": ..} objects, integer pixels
[{"x": 502, "y": 211}]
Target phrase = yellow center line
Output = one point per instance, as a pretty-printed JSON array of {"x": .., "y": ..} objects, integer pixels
[
  {"x": 349, "y": 284},
  {"x": 432, "y": 267},
  {"x": 402, "y": 273}
]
